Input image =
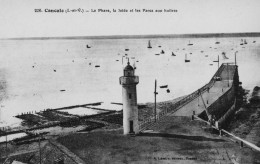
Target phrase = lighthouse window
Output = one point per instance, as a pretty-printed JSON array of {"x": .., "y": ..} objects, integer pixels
[{"x": 130, "y": 95}]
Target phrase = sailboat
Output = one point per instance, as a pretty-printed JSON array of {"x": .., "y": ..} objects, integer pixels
[
  {"x": 173, "y": 54},
  {"x": 245, "y": 41},
  {"x": 190, "y": 44},
  {"x": 162, "y": 52},
  {"x": 149, "y": 44},
  {"x": 186, "y": 60},
  {"x": 241, "y": 42}
]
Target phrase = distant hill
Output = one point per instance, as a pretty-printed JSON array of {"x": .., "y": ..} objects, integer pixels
[{"x": 202, "y": 35}]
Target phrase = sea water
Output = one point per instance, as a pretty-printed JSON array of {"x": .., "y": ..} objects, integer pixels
[{"x": 33, "y": 72}]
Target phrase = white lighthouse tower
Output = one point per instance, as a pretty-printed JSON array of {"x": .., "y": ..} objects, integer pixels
[{"x": 130, "y": 110}]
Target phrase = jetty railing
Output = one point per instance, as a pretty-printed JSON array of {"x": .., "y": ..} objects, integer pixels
[
  {"x": 251, "y": 145},
  {"x": 150, "y": 120}
]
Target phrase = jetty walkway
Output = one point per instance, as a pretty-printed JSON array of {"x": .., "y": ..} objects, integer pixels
[
  {"x": 217, "y": 89},
  {"x": 206, "y": 97}
]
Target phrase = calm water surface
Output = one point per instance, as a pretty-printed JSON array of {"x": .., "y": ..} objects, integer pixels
[{"x": 32, "y": 72}]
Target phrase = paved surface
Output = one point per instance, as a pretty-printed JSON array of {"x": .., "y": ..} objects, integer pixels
[
  {"x": 174, "y": 139},
  {"x": 211, "y": 147},
  {"x": 209, "y": 97}
]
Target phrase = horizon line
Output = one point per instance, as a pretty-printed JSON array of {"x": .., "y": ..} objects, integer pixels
[{"x": 187, "y": 35}]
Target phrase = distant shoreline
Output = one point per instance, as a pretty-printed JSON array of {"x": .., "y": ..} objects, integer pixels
[{"x": 201, "y": 35}]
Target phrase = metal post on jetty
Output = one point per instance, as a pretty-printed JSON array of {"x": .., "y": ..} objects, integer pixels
[
  {"x": 228, "y": 74},
  {"x": 4, "y": 131},
  {"x": 236, "y": 58},
  {"x": 6, "y": 145},
  {"x": 155, "y": 93},
  {"x": 218, "y": 61},
  {"x": 40, "y": 153}
]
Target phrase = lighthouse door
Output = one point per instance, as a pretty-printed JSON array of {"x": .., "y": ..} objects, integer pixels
[{"x": 131, "y": 127}]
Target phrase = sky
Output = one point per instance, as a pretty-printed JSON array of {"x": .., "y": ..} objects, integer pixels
[{"x": 19, "y": 19}]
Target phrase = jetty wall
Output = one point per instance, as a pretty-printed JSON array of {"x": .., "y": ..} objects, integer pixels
[{"x": 225, "y": 105}]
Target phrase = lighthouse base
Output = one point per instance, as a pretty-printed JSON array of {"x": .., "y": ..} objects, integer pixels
[
  {"x": 130, "y": 126},
  {"x": 131, "y": 134}
]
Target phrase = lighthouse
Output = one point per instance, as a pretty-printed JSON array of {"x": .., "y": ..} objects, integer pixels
[{"x": 129, "y": 99}]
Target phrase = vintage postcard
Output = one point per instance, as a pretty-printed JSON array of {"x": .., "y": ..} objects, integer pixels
[{"x": 129, "y": 81}]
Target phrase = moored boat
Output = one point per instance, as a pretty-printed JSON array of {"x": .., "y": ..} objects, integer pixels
[
  {"x": 164, "y": 86},
  {"x": 186, "y": 60},
  {"x": 190, "y": 44},
  {"x": 149, "y": 44}
]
